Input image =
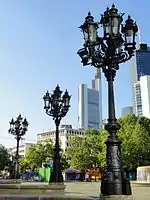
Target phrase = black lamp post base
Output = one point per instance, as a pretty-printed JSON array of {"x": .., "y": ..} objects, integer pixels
[
  {"x": 116, "y": 197},
  {"x": 116, "y": 187},
  {"x": 55, "y": 179},
  {"x": 17, "y": 175}
]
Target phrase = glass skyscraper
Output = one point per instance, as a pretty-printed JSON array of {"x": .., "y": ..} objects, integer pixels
[
  {"x": 126, "y": 111},
  {"x": 140, "y": 67},
  {"x": 140, "y": 62},
  {"x": 90, "y": 104}
]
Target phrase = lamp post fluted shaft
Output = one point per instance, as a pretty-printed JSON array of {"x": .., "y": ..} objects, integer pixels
[
  {"x": 107, "y": 52},
  {"x": 57, "y": 107},
  {"x": 56, "y": 175},
  {"x": 110, "y": 75},
  {"x": 17, "y": 159}
]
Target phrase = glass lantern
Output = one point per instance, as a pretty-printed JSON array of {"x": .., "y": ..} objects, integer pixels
[
  {"x": 129, "y": 30},
  {"x": 66, "y": 99},
  {"x": 12, "y": 123},
  {"x": 105, "y": 23},
  {"x": 25, "y": 124},
  {"x": 115, "y": 20},
  {"x": 89, "y": 29},
  {"x": 46, "y": 99}
]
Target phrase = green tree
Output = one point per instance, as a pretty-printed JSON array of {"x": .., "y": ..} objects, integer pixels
[
  {"x": 77, "y": 154},
  {"x": 135, "y": 136},
  {"x": 75, "y": 145},
  {"x": 102, "y": 154},
  {"x": 64, "y": 162},
  {"x": 84, "y": 153},
  {"x": 92, "y": 132},
  {"x": 4, "y": 157},
  {"x": 40, "y": 153},
  {"x": 23, "y": 165}
]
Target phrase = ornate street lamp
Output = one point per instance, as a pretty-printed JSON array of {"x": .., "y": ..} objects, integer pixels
[
  {"x": 107, "y": 52},
  {"x": 56, "y": 105},
  {"x": 18, "y": 128}
]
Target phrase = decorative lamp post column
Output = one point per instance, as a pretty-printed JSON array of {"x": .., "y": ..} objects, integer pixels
[
  {"x": 107, "y": 52},
  {"x": 56, "y": 105},
  {"x": 18, "y": 128}
]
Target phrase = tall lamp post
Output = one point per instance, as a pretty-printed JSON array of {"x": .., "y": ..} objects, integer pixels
[
  {"x": 18, "y": 128},
  {"x": 107, "y": 52},
  {"x": 56, "y": 105}
]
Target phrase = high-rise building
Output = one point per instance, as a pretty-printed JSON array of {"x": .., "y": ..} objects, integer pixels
[
  {"x": 126, "y": 111},
  {"x": 145, "y": 95},
  {"x": 137, "y": 99},
  {"x": 90, "y": 104},
  {"x": 142, "y": 97},
  {"x": 140, "y": 67}
]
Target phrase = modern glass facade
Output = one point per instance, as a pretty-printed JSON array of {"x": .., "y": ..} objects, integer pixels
[
  {"x": 145, "y": 95},
  {"x": 143, "y": 62},
  {"x": 93, "y": 109},
  {"x": 140, "y": 67},
  {"x": 126, "y": 111},
  {"x": 90, "y": 104}
]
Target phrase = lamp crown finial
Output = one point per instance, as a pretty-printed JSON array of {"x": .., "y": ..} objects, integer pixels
[
  {"x": 89, "y": 13},
  {"x": 113, "y": 5}
]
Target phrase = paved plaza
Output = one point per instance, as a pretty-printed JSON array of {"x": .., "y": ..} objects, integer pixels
[{"x": 92, "y": 189}]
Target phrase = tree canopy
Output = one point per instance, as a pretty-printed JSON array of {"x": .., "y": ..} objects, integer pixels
[
  {"x": 91, "y": 132},
  {"x": 40, "y": 153},
  {"x": 84, "y": 154},
  {"x": 134, "y": 134},
  {"x": 23, "y": 165},
  {"x": 4, "y": 157}
]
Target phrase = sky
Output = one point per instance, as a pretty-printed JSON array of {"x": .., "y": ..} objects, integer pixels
[{"x": 38, "y": 44}]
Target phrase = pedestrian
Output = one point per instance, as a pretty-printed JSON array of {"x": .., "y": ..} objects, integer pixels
[{"x": 87, "y": 177}]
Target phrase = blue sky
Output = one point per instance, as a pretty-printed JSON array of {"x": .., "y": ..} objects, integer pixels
[{"x": 38, "y": 44}]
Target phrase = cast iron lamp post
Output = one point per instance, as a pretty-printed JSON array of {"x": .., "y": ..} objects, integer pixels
[
  {"x": 107, "y": 52},
  {"x": 18, "y": 128},
  {"x": 57, "y": 107}
]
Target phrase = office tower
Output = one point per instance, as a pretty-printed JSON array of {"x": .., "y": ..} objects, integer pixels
[
  {"x": 126, "y": 111},
  {"x": 137, "y": 99},
  {"x": 145, "y": 95},
  {"x": 90, "y": 104},
  {"x": 140, "y": 67},
  {"x": 142, "y": 97}
]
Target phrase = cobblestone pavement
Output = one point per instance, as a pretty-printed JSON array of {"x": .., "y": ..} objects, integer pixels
[{"x": 92, "y": 189}]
